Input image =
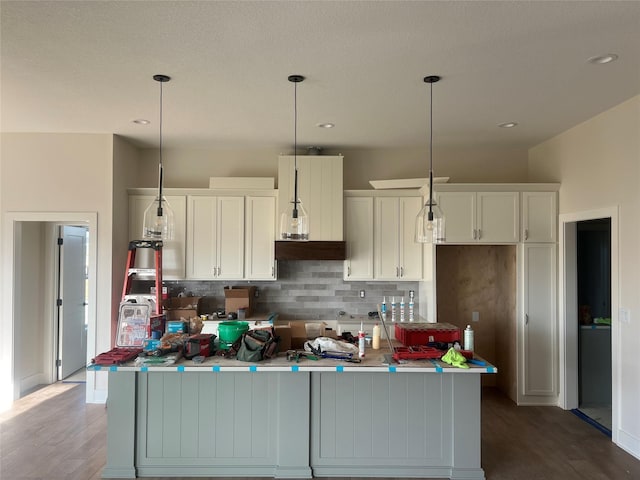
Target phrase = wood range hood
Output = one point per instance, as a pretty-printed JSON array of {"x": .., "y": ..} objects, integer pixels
[{"x": 311, "y": 250}]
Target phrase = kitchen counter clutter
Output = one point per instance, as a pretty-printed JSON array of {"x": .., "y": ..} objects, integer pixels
[{"x": 286, "y": 419}]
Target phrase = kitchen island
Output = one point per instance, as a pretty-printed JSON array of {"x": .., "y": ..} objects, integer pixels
[{"x": 282, "y": 419}]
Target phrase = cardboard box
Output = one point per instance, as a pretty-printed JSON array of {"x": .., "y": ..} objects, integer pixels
[
  {"x": 284, "y": 332},
  {"x": 298, "y": 335},
  {"x": 239, "y": 297},
  {"x": 177, "y": 308}
]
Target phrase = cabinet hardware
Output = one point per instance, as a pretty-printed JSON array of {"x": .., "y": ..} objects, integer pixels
[
  {"x": 273, "y": 271},
  {"x": 479, "y": 234},
  {"x": 474, "y": 234},
  {"x": 348, "y": 271},
  {"x": 397, "y": 272},
  {"x": 526, "y": 234},
  {"x": 401, "y": 271},
  {"x": 526, "y": 319}
]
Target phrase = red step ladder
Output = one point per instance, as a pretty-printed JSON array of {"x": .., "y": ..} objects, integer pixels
[{"x": 131, "y": 271}]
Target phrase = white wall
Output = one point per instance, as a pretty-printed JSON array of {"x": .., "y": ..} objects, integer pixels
[
  {"x": 597, "y": 164},
  {"x": 56, "y": 175},
  {"x": 30, "y": 311},
  {"x": 191, "y": 168}
]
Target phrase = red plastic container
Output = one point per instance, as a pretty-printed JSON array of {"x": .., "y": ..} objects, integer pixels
[
  {"x": 416, "y": 353},
  {"x": 412, "y": 334}
]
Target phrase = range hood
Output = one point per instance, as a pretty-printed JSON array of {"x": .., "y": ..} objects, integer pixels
[{"x": 312, "y": 250}]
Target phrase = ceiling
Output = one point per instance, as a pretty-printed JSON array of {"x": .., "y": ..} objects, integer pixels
[{"x": 87, "y": 66}]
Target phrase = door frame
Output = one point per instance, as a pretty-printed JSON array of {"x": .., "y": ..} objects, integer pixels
[
  {"x": 8, "y": 325},
  {"x": 568, "y": 311}
]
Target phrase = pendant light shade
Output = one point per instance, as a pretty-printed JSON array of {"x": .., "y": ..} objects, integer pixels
[
  {"x": 158, "y": 217},
  {"x": 294, "y": 225},
  {"x": 430, "y": 220}
]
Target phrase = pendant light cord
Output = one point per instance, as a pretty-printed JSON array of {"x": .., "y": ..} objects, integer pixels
[
  {"x": 295, "y": 149},
  {"x": 431, "y": 152},
  {"x": 161, "y": 173}
]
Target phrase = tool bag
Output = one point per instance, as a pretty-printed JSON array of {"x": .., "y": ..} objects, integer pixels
[{"x": 256, "y": 345}]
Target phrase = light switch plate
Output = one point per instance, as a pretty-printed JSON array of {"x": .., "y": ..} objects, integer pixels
[
  {"x": 624, "y": 315},
  {"x": 475, "y": 316}
]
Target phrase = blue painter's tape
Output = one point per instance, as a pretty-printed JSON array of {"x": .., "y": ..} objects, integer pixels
[
  {"x": 490, "y": 370},
  {"x": 392, "y": 369},
  {"x": 98, "y": 367},
  {"x": 181, "y": 368},
  {"x": 144, "y": 368},
  {"x": 294, "y": 368},
  {"x": 253, "y": 368},
  {"x": 216, "y": 368},
  {"x": 113, "y": 368},
  {"x": 339, "y": 368}
]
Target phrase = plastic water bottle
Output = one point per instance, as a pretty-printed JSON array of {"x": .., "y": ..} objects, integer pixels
[
  {"x": 376, "y": 337},
  {"x": 411, "y": 305},
  {"x": 402, "y": 309},
  {"x": 383, "y": 308},
  {"x": 361, "y": 341}
]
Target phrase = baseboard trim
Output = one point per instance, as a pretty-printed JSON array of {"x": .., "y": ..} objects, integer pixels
[{"x": 629, "y": 443}]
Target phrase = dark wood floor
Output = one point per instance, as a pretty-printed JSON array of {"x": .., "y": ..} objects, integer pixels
[{"x": 52, "y": 434}]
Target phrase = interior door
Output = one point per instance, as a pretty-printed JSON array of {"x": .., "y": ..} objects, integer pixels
[{"x": 73, "y": 299}]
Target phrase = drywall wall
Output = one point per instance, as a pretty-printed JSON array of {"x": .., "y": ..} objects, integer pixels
[
  {"x": 191, "y": 168},
  {"x": 52, "y": 177},
  {"x": 597, "y": 164}
]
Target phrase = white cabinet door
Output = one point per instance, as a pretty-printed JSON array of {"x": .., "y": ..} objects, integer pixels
[
  {"x": 459, "y": 210},
  {"x": 202, "y": 260},
  {"x": 230, "y": 226},
  {"x": 216, "y": 237},
  {"x": 539, "y": 217},
  {"x": 359, "y": 238},
  {"x": 320, "y": 188},
  {"x": 410, "y": 254},
  {"x": 173, "y": 251},
  {"x": 396, "y": 255},
  {"x": 497, "y": 220},
  {"x": 538, "y": 355},
  {"x": 259, "y": 237},
  {"x": 387, "y": 239}
]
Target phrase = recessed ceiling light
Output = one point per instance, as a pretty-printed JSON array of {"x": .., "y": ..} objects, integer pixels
[
  {"x": 508, "y": 124},
  {"x": 141, "y": 121},
  {"x": 325, "y": 125},
  {"x": 602, "y": 59}
]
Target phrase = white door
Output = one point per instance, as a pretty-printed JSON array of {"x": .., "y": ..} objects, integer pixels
[
  {"x": 359, "y": 237},
  {"x": 260, "y": 235},
  {"x": 497, "y": 220},
  {"x": 459, "y": 210},
  {"x": 410, "y": 255},
  {"x": 230, "y": 227},
  {"x": 72, "y": 313},
  {"x": 387, "y": 238}
]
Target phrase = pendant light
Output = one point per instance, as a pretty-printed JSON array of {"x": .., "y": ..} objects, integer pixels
[
  {"x": 158, "y": 217},
  {"x": 295, "y": 225},
  {"x": 430, "y": 220}
]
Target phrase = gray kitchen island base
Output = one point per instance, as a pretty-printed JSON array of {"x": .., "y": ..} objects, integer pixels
[{"x": 293, "y": 424}]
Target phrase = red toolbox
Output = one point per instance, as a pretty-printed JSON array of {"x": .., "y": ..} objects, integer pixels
[{"x": 411, "y": 334}]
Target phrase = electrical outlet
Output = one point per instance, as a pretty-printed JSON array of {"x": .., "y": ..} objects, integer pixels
[
  {"x": 475, "y": 316},
  {"x": 361, "y": 293}
]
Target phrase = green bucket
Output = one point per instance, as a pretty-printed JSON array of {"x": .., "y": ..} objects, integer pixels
[{"x": 229, "y": 332}]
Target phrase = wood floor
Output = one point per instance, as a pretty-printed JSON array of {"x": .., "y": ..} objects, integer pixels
[{"x": 53, "y": 435}]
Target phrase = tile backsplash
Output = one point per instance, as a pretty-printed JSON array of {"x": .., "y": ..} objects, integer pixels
[{"x": 306, "y": 290}]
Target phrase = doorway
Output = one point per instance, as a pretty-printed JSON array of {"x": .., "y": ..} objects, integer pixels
[
  {"x": 593, "y": 250},
  {"x": 572, "y": 294}
]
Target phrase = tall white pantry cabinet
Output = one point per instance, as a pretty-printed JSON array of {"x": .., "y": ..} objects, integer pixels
[{"x": 525, "y": 215}]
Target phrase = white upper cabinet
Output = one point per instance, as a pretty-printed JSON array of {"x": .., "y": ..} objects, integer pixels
[
  {"x": 173, "y": 251},
  {"x": 480, "y": 217},
  {"x": 396, "y": 255},
  {"x": 215, "y": 240},
  {"x": 539, "y": 217},
  {"x": 260, "y": 232},
  {"x": 359, "y": 238},
  {"x": 320, "y": 189}
]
